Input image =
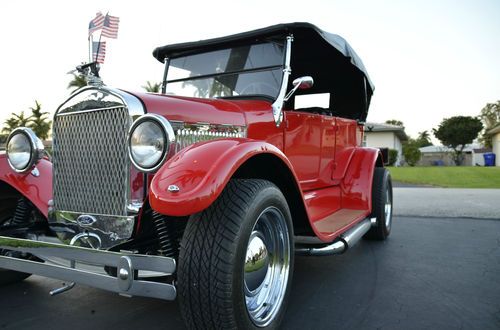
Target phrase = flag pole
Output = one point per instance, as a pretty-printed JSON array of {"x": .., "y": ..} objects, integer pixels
[
  {"x": 91, "y": 43},
  {"x": 99, "y": 42}
]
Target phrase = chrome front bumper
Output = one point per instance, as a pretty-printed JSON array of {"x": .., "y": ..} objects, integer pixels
[{"x": 126, "y": 264}]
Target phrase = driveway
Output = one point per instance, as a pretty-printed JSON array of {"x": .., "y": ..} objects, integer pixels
[
  {"x": 435, "y": 273},
  {"x": 447, "y": 202}
]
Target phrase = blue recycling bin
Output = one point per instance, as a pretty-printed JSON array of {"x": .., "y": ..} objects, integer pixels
[{"x": 489, "y": 159}]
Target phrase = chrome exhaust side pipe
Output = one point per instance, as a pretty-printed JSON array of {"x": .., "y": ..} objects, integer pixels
[{"x": 339, "y": 246}]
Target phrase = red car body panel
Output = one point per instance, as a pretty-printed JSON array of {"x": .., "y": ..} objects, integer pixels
[
  {"x": 37, "y": 189},
  {"x": 333, "y": 174}
]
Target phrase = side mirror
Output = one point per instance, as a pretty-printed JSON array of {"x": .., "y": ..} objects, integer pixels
[{"x": 304, "y": 82}]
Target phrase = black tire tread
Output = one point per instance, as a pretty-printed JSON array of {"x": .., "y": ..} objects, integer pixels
[{"x": 210, "y": 239}]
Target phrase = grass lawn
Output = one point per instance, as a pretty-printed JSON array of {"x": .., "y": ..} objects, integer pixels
[{"x": 454, "y": 177}]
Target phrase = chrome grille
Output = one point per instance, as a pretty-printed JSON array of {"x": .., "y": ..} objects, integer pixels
[{"x": 90, "y": 161}]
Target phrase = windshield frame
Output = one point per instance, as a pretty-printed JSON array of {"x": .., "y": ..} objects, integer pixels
[{"x": 282, "y": 66}]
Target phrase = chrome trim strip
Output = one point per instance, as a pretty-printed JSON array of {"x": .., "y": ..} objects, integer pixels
[
  {"x": 190, "y": 133},
  {"x": 89, "y": 256},
  {"x": 278, "y": 104}
]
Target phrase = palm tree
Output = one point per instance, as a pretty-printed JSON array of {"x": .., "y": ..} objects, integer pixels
[
  {"x": 424, "y": 139},
  {"x": 10, "y": 125},
  {"x": 38, "y": 122},
  {"x": 15, "y": 121},
  {"x": 152, "y": 87},
  {"x": 78, "y": 81}
]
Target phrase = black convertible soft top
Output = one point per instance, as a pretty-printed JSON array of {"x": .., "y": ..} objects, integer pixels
[{"x": 334, "y": 65}]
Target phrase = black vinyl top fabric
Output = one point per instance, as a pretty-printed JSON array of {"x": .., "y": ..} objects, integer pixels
[{"x": 332, "y": 62}]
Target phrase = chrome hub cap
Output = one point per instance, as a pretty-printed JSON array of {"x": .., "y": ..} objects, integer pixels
[
  {"x": 256, "y": 262},
  {"x": 267, "y": 267},
  {"x": 388, "y": 208}
]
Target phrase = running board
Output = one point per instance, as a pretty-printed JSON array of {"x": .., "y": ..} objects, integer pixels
[{"x": 340, "y": 245}]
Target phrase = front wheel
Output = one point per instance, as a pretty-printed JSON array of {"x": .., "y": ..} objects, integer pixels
[{"x": 236, "y": 259}]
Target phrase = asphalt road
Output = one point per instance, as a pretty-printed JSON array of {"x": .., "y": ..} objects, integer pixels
[{"x": 437, "y": 273}]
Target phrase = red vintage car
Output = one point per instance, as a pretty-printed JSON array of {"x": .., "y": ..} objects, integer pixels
[{"x": 251, "y": 153}]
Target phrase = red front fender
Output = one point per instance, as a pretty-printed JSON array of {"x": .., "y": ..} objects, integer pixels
[
  {"x": 201, "y": 172},
  {"x": 37, "y": 189}
]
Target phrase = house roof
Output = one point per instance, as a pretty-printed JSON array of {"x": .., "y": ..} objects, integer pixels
[
  {"x": 435, "y": 149},
  {"x": 494, "y": 130},
  {"x": 438, "y": 149},
  {"x": 379, "y": 127},
  {"x": 481, "y": 150}
]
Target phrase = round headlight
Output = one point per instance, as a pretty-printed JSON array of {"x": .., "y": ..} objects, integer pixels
[
  {"x": 149, "y": 141},
  {"x": 24, "y": 149}
]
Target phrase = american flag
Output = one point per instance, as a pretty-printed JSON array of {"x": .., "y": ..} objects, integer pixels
[
  {"x": 98, "y": 51},
  {"x": 110, "y": 26},
  {"x": 97, "y": 23}
]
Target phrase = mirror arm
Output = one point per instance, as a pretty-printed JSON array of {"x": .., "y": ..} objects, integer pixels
[{"x": 290, "y": 93}]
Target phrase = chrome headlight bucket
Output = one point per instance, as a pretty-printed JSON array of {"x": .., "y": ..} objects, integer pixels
[
  {"x": 149, "y": 142},
  {"x": 24, "y": 149}
]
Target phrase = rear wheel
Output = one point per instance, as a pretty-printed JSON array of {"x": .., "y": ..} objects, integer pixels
[
  {"x": 381, "y": 204},
  {"x": 236, "y": 259}
]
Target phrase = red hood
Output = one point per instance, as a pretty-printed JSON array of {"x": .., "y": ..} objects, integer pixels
[{"x": 198, "y": 110}]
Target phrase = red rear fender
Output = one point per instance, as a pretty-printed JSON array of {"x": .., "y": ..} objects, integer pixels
[{"x": 357, "y": 183}]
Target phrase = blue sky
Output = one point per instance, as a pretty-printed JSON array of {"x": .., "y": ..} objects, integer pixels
[{"x": 428, "y": 59}]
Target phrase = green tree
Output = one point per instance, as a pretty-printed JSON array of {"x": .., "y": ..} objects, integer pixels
[
  {"x": 152, "y": 87},
  {"x": 424, "y": 139},
  {"x": 411, "y": 152},
  {"x": 490, "y": 116},
  {"x": 456, "y": 132},
  {"x": 395, "y": 122},
  {"x": 39, "y": 122},
  {"x": 78, "y": 81}
]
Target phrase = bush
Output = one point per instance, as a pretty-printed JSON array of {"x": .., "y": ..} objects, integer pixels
[
  {"x": 411, "y": 152},
  {"x": 393, "y": 157}
]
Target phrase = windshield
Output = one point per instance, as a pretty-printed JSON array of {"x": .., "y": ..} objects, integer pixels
[{"x": 250, "y": 70}]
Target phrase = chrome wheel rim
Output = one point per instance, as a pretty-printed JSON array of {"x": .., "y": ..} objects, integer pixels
[
  {"x": 388, "y": 208},
  {"x": 267, "y": 267}
]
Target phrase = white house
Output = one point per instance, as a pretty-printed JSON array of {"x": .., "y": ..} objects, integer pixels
[
  {"x": 495, "y": 139},
  {"x": 385, "y": 136}
]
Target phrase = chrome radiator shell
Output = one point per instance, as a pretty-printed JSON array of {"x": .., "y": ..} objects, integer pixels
[{"x": 92, "y": 170}]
